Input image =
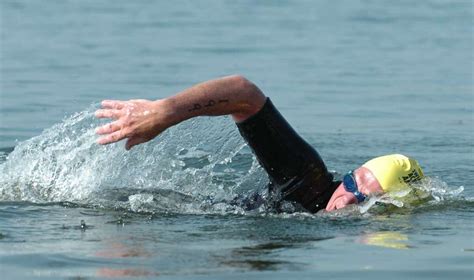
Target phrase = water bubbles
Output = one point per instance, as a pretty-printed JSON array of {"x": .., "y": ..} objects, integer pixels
[{"x": 140, "y": 202}]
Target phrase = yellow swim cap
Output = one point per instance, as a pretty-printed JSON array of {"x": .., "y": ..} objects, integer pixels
[{"x": 395, "y": 172}]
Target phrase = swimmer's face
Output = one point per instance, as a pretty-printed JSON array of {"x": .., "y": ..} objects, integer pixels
[{"x": 366, "y": 183}]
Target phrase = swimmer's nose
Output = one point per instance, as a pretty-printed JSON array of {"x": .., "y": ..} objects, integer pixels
[{"x": 345, "y": 200}]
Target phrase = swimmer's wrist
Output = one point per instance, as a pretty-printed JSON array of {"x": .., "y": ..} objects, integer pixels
[{"x": 168, "y": 110}]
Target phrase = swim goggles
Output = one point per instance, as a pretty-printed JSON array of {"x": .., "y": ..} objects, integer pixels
[{"x": 350, "y": 185}]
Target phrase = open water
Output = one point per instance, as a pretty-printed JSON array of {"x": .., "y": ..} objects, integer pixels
[{"x": 356, "y": 78}]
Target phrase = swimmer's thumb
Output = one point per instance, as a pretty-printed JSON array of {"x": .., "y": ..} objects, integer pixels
[{"x": 133, "y": 141}]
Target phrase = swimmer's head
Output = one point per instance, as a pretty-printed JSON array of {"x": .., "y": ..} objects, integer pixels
[
  {"x": 385, "y": 174},
  {"x": 395, "y": 172}
]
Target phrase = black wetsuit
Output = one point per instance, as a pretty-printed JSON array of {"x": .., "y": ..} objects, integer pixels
[{"x": 296, "y": 171}]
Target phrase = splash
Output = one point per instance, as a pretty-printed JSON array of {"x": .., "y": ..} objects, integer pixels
[
  {"x": 199, "y": 166},
  {"x": 429, "y": 190},
  {"x": 184, "y": 168}
]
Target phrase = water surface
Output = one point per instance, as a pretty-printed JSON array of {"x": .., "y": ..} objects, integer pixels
[{"x": 357, "y": 79}]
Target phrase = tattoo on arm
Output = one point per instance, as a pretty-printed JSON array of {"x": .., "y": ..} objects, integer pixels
[{"x": 210, "y": 103}]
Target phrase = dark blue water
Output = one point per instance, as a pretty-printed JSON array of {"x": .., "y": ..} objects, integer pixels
[{"x": 357, "y": 79}]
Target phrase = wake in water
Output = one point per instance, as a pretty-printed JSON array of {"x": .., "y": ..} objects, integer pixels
[{"x": 199, "y": 166}]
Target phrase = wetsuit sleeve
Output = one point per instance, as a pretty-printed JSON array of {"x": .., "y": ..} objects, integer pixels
[{"x": 295, "y": 169}]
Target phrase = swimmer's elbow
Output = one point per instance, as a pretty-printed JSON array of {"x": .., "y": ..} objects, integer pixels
[
  {"x": 252, "y": 98},
  {"x": 247, "y": 87}
]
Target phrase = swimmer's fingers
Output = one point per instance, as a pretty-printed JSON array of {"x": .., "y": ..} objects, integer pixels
[
  {"x": 109, "y": 128},
  {"x": 113, "y": 104},
  {"x": 108, "y": 113},
  {"x": 134, "y": 141},
  {"x": 112, "y": 137}
]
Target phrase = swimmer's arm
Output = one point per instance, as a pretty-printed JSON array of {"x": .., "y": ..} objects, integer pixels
[
  {"x": 142, "y": 120},
  {"x": 232, "y": 95}
]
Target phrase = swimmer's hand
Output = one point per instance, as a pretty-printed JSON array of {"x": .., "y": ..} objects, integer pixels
[
  {"x": 137, "y": 120},
  {"x": 142, "y": 120}
]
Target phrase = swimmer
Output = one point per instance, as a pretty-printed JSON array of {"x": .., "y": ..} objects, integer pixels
[{"x": 296, "y": 171}]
